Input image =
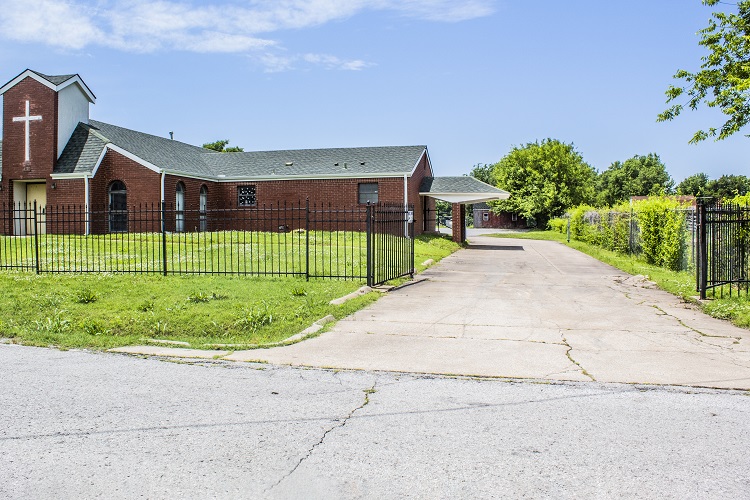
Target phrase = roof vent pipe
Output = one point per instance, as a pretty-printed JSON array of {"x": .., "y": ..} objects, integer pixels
[{"x": 171, "y": 136}]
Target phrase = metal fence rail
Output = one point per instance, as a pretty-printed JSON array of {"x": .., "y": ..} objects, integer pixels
[
  {"x": 723, "y": 245},
  {"x": 314, "y": 241}
]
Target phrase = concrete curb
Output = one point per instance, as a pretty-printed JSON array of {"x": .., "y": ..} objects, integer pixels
[{"x": 346, "y": 298}]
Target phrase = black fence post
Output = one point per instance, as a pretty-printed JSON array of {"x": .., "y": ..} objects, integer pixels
[
  {"x": 36, "y": 241},
  {"x": 164, "y": 238},
  {"x": 702, "y": 250},
  {"x": 368, "y": 230},
  {"x": 411, "y": 236},
  {"x": 307, "y": 239}
]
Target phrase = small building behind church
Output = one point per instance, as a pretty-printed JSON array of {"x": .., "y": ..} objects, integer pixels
[{"x": 484, "y": 217}]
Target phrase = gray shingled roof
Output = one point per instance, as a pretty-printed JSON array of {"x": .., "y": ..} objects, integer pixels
[
  {"x": 54, "y": 79},
  {"x": 88, "y": 141},
  {"x": 463, "y": 184}
]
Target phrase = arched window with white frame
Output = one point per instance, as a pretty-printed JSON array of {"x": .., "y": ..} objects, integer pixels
[
  {"x": 118, "y": 207},
  {"x": 203, "y": 208},
  {"x": 179, "y": 208}
]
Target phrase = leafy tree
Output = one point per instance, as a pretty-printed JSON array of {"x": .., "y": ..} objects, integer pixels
[
  {"x": 724, "y": 79},
  {"x": 638, "y": 176},
  {"x": 484, "y": 173},
  {"x": 694, "y": 185},
  {"x": 723, "y": 188},
  {"x": 544, "y": 179},
  {"x": 728, "y": 186},
  {"x": 221, "y": 146}
]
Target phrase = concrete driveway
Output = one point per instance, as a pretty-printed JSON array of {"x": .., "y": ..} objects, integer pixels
[{"x": 530, "y": 309}]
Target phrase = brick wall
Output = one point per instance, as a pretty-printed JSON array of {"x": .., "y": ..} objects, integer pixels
[
  {"x": 65, "y": 206},
  {"x": 143, "y": 192},
  {"x": 458, "y": 228},
  {"x": 422, "y": 204},
  {"x": 42, "y": 135}
]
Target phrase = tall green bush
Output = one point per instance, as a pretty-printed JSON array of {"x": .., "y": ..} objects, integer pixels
[{"x": 662, "y": 227}]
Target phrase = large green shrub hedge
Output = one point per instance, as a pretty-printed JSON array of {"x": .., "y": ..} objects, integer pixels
[{"x": 654, "y": 227}]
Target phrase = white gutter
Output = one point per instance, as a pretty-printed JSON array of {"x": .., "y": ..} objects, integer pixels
[{"x": 163, "y": 175}]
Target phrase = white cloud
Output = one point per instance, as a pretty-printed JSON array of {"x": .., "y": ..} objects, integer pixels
[
  {"x": 275, "y": 63},
  {"x": 240, "y": 27},
  {"x": 51, "y": 22}
]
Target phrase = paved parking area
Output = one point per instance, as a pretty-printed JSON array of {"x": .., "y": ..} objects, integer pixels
[{"x": 530, "y": 309}]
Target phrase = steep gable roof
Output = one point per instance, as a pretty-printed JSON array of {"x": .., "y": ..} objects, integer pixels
[
  {"x": 88, "y": 142},
  {"x": 55, "y": 82}
]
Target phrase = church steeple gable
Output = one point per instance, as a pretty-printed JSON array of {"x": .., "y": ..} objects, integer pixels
[{"x": 40, "y": 113}]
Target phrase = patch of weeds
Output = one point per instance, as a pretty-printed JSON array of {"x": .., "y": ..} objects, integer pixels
[
  {"x": 255, "y": 318},
  {"x": 53, "y": 324},
  {"x": 85, "y": 296},
  {"x": 146, "y": 306},
  {"x": 94, "y": 327},
  {"x": 200, "y": 297},
  {"x": 160, "y": 328},
  {"x": 298, "y": 292},
  {"x": 50, "y": 301}
]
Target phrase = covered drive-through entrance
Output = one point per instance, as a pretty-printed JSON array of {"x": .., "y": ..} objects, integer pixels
[{"x": 460, "y": 191}]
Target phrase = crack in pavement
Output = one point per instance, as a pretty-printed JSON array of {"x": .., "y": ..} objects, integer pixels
[
  {"x": 340, "y": 423},
  {"x": 702, "y": 334},
  {"x": 570, "y": 356}
]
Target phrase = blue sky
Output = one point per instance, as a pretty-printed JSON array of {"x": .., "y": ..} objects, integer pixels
[{"x": 468, "y": 79}]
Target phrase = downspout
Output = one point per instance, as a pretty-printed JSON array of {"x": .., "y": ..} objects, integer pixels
[
  {"x": 86, "y": 203},
  {"x": 406, "y": 206},
  {"x": 161, "y": 208}
]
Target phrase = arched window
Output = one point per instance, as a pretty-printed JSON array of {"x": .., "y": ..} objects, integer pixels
[
  {"x": 179, "y": 208},
  {"x": 203, "y": 208},
  {"x": 118, "y": 207}
]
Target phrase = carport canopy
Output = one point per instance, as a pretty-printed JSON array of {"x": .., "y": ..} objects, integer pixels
[{"x": 460, "y": 191}]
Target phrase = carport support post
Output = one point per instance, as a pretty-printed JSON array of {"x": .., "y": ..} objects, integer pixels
[{"x": 459, "y": 222}]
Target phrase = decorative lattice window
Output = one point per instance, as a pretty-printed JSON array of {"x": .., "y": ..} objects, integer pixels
[{"x": 246, "y": 196}]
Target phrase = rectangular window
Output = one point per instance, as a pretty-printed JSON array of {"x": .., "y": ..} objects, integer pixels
[
  {"x": 368, "y": 192},
  {"x": 514, "y": 217},
  {"x": 246, "y": 196}
]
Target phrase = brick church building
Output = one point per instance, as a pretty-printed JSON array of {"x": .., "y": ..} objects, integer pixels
[{"x": 54, "y": 155}]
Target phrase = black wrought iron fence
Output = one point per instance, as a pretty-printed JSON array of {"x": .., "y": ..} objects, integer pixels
[
  {"x": 302, "y": 239},
  {"x": 723, "y": 243}
]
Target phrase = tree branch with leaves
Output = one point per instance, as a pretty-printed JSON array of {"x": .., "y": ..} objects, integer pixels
[{"x": 723, "y": 81}]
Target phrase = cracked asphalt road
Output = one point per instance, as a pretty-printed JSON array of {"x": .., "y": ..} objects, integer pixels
[
  {"x": 84, "y": 425},
  {"x": 531, "y": 309}
]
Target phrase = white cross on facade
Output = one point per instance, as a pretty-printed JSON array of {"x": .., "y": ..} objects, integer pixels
[{"x": 27, "y": 119}]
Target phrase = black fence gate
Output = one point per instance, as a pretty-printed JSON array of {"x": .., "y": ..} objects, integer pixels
[
  {"x": 390, "y": 243},
  {"x": 722, "y": 253}
]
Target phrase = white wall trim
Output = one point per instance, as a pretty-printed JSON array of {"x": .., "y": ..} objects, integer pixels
[
  {"x": 414, "y": 169},
  {"x": 30, "y": 74}
]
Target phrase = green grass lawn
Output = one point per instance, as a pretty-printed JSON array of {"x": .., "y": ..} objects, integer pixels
[
  {"x": 680, "y": 283},
  {"x": 106, "y": 310}
]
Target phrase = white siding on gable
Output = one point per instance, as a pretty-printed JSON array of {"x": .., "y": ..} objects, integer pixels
[{"x": 72, "y": 107}]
